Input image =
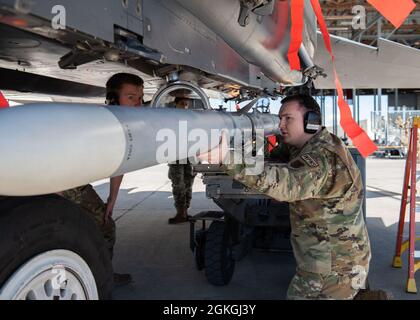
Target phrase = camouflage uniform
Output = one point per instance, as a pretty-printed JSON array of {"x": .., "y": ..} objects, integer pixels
[
  {"x": 88, "y": 199},
  {"x": 329, "y": 237},
  {"x": 182, "y": 177}
]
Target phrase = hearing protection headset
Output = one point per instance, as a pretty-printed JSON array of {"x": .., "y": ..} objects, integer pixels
[{"x": 311, "y": 122}]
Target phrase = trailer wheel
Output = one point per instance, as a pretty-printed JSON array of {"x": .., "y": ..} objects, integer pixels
[
  {"x": 51, "y": 249},
  {"x": 199, "y": 249},
  {"x": 219, "y": 262}
]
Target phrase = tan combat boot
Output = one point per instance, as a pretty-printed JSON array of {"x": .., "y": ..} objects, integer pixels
[{"x": 181, "y": 216}]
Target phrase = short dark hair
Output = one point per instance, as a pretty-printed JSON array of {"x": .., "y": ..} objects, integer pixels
[
  {"x": 117, "y": 80},
  {"x": 304, "y": 100}
]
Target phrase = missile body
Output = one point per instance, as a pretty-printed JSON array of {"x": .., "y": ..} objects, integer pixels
[{"x": 48, "y": 148}]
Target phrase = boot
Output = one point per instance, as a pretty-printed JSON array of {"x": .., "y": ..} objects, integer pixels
[
  {"x": 122, "y": 279},
  {"x": 181, "y": 216}
]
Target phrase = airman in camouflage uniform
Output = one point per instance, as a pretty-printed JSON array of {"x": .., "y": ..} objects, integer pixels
[
  {"x": 324, "y": 189},
  {"x": 122, "y": 89},
  {"x": 182, "y": 177}
]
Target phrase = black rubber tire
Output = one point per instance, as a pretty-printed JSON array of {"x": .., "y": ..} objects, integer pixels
[
  {"x": 33, "y": 225},
  {"x": 218, "y": 261},
  {"x": 199, "y": 250}
]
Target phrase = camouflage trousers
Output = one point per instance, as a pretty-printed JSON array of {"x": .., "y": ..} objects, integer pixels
[
  {"x": 88, "y": 199},
  {"x": 182, "y": 177},
  {"x": 307, "y": 286}
]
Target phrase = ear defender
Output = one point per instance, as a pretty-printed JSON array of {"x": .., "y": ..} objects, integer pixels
[
  {"x": 112, "y": 98},
  {"x": 311, "y": 122}
]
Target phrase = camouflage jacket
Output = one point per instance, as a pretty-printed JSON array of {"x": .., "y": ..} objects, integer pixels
[{"x": 323, "y": 186}]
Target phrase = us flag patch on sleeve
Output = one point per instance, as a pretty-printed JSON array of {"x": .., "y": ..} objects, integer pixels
[{"x": 309, "y": 160}]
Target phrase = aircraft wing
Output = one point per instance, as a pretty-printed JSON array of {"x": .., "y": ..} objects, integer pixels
[
  {"x": 390, "y": 65},
  {"x": 206, "y": 42}
]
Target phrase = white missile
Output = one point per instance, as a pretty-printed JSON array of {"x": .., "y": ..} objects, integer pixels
[{"x": 48, "y": 148}]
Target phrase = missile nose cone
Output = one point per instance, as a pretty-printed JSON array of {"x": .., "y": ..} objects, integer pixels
[{"x": 43, "y": 146}]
